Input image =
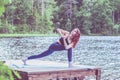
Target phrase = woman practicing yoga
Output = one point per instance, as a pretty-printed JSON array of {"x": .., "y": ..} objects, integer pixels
[{"x": 67, "y": 41}]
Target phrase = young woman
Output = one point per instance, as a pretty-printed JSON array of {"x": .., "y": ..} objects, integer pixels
[{"x": 67, "y": 41}]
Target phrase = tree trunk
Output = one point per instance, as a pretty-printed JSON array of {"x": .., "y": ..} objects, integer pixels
[
  {"x": 32, "y": 5},
  {"x": 42, "y": 10},
  {"x": 113, "y": 19}
]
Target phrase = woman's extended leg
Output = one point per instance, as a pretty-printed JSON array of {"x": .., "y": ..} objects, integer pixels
[
  {"x": 53, "y": 47},
  {"x": 43, "y": 54}
]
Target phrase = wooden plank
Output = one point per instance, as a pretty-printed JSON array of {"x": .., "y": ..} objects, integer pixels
[
  {"x": 98, "y": 74},
  {"x": 65, "y": 74},
  {"x": 57, "y": 71}
]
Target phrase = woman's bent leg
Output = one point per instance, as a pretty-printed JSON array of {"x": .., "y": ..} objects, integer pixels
[{"x": 70, "y": 57}]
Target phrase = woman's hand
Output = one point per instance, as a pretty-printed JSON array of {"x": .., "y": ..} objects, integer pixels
[
  {"x": 67, "y": 46},
  {"x": 65, "y": 36},
  {"x": 63, "y": 33}
]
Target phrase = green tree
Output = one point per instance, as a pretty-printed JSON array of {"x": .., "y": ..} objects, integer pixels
[
  {"x": 2, "y": 4},
  {"x": 29, "y": 16},
  {"x": 65, "y": 16},
  {"x": 44, "y": 15}
]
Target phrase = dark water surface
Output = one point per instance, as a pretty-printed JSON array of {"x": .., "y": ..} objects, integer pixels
[{"x": 102, "y": 51}]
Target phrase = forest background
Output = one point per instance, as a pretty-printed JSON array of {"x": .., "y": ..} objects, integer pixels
[{"x": 92, "y": 17}]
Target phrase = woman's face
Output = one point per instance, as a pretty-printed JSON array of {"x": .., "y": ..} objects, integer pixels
[{"x": 73, "y": 32}]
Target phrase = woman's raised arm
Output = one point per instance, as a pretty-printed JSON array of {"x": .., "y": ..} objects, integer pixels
[{"x": 63, "y": 33}]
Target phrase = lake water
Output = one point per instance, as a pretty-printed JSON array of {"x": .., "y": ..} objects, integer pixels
[{"x": 102, "y": 51}]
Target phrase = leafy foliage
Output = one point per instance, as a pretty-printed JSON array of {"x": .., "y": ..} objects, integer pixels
[
  {"x": 2, "y": 3},
  {"x": 6, "y": 73},
  {"x": 29, "y": 17},
  {"x": 42, "y": 16}
]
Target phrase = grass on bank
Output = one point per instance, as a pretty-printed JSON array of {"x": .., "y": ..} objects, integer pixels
[
  {"x": 45, "y": 35},
  {"x": 27, "y": 35}
]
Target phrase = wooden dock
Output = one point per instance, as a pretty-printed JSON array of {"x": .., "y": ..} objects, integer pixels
[{"x": 46, "y": 70}]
